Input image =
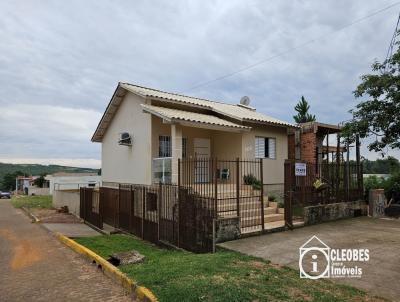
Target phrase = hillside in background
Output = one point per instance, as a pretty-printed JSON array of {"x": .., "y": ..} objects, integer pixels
[{"x": 36, "y": 169}]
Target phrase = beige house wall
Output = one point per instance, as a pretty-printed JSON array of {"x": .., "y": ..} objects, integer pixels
[
  {"x": 273, "y": 169},
  {"x": 230, "y": 145},
  {"x": 134, "y": 164},
  {"x": 160, "y": 128},
  {"x": 128, "y": 164}
]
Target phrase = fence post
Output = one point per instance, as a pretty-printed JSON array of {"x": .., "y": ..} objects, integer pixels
[
  {"x": 159, "y": 201},
  {"x": 216, "y": 187},
  {"x": 289, "y": 211},
  {"x": 143, "y": 209},
  {"x": 359, "y": 171},
  {"x": 237, "y": 187},
  {"x": 118, "y": 205},
  {"x": 337, "y": 167},
  {"x": 131, "y": 206},
  {"x": 262, "y": 194},
  {"x": 178, "y": 201},
  {"x": 347, "y": 169}
]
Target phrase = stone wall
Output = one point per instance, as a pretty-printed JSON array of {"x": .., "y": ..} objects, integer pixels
[
  {"x": 334, "y": 211},
  {"x": 227, "y": 229},
  {"x": 68, "y": 198}
]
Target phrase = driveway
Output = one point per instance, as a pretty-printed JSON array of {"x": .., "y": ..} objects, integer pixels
[
  {"x": 381, "y": 274},
  {"x": 34, "y": 266}
]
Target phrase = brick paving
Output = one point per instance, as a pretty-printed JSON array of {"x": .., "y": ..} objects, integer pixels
[{"x": 35, "y": 266}]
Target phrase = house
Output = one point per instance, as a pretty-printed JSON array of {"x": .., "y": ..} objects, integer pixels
[
  {"x": 22, "y": 183},
  {"x": 71, "y": 181},
  {"x": 145, "y": 131}
]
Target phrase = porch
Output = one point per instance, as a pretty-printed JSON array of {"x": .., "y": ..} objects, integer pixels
[{"x": 208, "y": 161}]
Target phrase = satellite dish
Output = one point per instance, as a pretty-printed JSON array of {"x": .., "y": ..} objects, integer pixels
[{"x": 245, "y": 101}]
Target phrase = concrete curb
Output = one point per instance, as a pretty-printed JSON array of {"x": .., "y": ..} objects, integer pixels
[
  {"x": 31, "y": 215},
  {"x": 142, "y": 293}
]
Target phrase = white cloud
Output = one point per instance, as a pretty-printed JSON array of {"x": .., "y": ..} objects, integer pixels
[
  {"x": 47, "y": 131},
  {"x": 64, "y": 58}
]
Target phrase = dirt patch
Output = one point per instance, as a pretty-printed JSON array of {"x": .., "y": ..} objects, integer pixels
[
  {"x": 251, "y": 264},
  {"x": 25, "y": 253},
  {"x": 52, "y": 216},
  {"x": 295, "y": 293},
  {"x": 257, "y": 264}
]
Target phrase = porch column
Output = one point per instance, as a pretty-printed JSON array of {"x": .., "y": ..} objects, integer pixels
[{"x": 176, "y": 145}]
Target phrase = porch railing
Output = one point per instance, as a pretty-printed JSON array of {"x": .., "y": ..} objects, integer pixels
[{"x": 235, "y": 185}]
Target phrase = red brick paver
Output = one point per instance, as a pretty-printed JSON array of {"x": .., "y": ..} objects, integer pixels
[{"x": 34, "y": 266}]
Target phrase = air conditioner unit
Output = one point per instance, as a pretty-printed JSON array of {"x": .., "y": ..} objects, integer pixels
[{"x": 125, "y": 139}]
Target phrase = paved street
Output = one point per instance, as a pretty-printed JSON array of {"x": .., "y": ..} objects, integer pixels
[
  {"x": 381, "y": 274},
  {"x": 36, "y": 267}
]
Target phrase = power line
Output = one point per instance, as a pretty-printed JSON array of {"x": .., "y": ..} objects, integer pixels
[
  {"x": 291, "y": 49},
  {"x": 389, "y": 53}
]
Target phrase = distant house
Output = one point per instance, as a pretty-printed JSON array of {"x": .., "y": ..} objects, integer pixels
[
  {"x": 22, "y": 183},
  {"x": 144, "y": 132},
  {"x": 72, "y": 181}
]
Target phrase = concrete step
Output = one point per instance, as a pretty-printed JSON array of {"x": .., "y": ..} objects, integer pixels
[
  {"x": 256, "y": 220},
  {"x": 248, "y": 207},
  {"x": 250, "y": 213},
  {"x": 273, "y": 217},
  {"x": 270, "y": 210},
  {"x": 267, "y": 218},
  {"x": 273, "y": 204}
]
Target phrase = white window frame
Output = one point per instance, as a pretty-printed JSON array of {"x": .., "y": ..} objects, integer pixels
[{"x": 265, "y": 147}]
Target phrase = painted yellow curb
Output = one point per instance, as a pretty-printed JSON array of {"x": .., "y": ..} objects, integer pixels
[{"x": 110, "y": 270}]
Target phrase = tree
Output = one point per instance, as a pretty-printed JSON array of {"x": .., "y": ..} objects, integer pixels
[
  {"x": 389, "y": 165},
  {"x": 39, "y": 182},
  {"x": 378, "y": 116},
  {"x": 303, "y": 116},
  {"x": 8, "y": 182}
]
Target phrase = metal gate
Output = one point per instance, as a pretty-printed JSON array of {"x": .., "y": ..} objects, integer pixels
[{"x": 90, "y": 207}]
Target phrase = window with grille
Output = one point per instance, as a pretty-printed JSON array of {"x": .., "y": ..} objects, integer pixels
[
  {"x": 164, "y": 149},
  {"x": 265, "y": 147}
]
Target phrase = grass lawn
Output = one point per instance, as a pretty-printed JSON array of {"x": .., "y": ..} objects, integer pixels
[
  {"x": 225, "y": 276},
  {"x": 32, "y": 201}
]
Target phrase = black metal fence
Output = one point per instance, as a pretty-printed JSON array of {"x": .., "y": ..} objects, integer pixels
[
  {"x": 235, "y": 185},
  {"x": 323, "y": 183},
  {"x": 160, "y": 213},
  {"x": 90, "y": 207}
]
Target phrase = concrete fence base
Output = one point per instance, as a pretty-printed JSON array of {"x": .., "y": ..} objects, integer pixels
[
  {"x": 69, "y": 198},
  {"x": 334, "y": 211}
]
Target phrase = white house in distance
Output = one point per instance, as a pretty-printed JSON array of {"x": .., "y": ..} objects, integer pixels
[
  {"x": 144, "y": 131},
  {"x": 72, "y": 181}
]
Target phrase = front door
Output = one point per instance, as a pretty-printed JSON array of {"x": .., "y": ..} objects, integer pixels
[{"x": 202, "y": 150}]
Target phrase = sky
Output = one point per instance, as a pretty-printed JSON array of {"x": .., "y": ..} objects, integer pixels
[{"x": 60, "y": 62}]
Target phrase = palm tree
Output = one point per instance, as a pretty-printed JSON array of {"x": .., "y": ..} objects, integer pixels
[{"x": 303, "y": 116}]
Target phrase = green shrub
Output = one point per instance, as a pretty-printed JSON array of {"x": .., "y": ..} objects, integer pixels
[
  {"x": 251, "y": 180},
  {"x": 373, "y": 182},
  {"x": 271, "y": 197},
  {"x": 392, "y": 187}
]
